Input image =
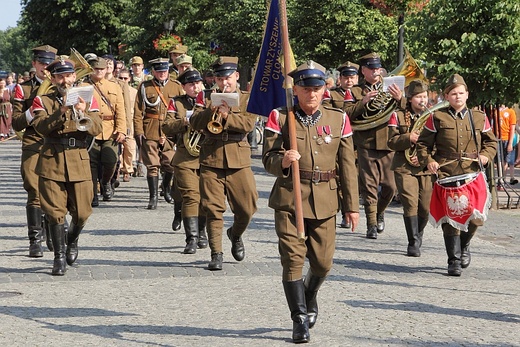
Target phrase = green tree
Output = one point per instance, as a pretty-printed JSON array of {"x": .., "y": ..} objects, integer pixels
[
  {"x": 476, "y": 39},
  {"x": 15, "y": 50},
  {"x": 87, "y": 25}
]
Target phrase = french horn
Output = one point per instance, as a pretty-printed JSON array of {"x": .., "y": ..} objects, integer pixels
[
  {"x": 418, "y": 126},
  {"x": 380, "y": 108}
]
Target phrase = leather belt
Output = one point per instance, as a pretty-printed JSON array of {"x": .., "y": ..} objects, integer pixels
[
  {"x": 153, "y": 116},
  {"x": 70, "y": 142},
  {"x": 225, "y": 136},
  {"x": 318, "y": 176},
  {"x": 107, "y": 117},
  {"x": 458, "y": 155}
]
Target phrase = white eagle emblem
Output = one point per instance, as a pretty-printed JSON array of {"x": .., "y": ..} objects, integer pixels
[{"x": 458, "y": 204}]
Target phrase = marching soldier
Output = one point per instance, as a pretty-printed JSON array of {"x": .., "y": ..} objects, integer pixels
[
  {"x": 151, "y": 105},
  {"x": 325, "y": 153},
  {"x": 186, "y": 160},
  {"x": 32, "y": 142},
  {"x": 105, "y": 150},
  {"x": 175, "y": 52},
  {"x": 348, "y": 78},
  {"x": 65, "y": 179},
  {"x": 374, "y": 155},
  {"x": 138, "y": 75},
  {"x": 225, "y": 161},
  {"x": 464, "y": 143},
  {"x": 413, "y": 183}
]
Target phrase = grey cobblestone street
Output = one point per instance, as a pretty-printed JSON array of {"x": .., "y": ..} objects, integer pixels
[{"x": 132, "y": 286}]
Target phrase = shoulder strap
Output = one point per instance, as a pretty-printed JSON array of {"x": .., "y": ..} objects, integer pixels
[
  {"x": 472, "y": 124},
  {"x": 104, "y": 98},
  {"x": 160, "y": 94}
]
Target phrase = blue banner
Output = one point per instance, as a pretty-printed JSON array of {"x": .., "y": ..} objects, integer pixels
[{"x": 267, "y": 92}]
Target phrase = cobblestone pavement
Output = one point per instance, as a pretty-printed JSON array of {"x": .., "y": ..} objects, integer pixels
[{"x": 133, "y": 287}]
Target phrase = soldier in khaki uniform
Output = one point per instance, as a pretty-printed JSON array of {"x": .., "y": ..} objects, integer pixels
[
  {"x": 374, "y": 155},
  {"x": 175, "y": 52},
  {"x": 105, "y": 151},
  {"x": 348, "y": 78},
  {"x": 63, "y": 166},
  {"x": 225, "y": 162},
  {"x": 325, "y": 152},
  {"x": 138, "y": 75},
  {"x": 186, "y": 160},
  {"x": 32, "y": 142},
  {"x": 414, "y": 184},
  {"x": 151, "y": 105},
  {"x": 448, "y": 131}
]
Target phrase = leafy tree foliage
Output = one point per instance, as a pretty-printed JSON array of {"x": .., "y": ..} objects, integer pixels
[
  {"x": 87, "y": 25},
  {"x": 476, "y": 39},
  {"x": 15, "y": 51}
]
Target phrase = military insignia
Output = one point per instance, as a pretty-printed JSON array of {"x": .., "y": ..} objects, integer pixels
[
  {"x": 310, "y": 64},
  {"x": 328, "y": 139},
  {"x": 319, "y": 141}
]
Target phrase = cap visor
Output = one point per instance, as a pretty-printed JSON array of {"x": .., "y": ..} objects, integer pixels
[{"x": 311, "y": 82}]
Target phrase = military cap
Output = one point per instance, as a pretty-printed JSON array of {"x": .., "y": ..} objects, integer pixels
[
  {"x": 160, "y": 64},
  {"x": 416, "y": 87},
  {"x": 179, "y": 49},
  {"x": 44, "y": 54},
  {"x": 455, "y": 80},
  {"x": 90, "y": 56},
  {"x": 98, "y": 63},
  {"x": 310, "y": 74},
  {"x": 184, "y": 59},
  {"x": 110, "y": 57},
  {"x": 371, "y": 60},
  {"x": 61, "y": 66},
  {"x": 32, "y": 70},
  {"x": 136, "y": 60},
  {"x": 225, "y": 66},
  {"x": 190, "y": 75},
  {"x": 348, "y": 69},
  {"x": 26, "y": 74}
]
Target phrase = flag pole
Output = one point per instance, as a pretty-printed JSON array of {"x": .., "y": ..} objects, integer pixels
[{"x": 291, "y": 122}]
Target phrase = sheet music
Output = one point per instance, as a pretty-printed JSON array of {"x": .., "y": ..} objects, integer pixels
[
  {"x": 232, "y": 99},
  {"x": 388, "y": 81},
  {"x": 74, "y": 93}
]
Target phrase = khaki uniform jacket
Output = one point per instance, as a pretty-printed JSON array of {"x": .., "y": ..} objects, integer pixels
[
  {"x": 450, "y": 134},
  {"x": 113, "y": 115},
  {"x": 399, "y": 141},
  {"x": 129, "y": 106},
  {"x": 22, "y": 100},
  {"x": 59, "y": 162},
  {"x": 175, "y": 126},
  {"x": 375, "y": 138},
  {"x": 320, "y": 200},
  {"x": 220, "y": 151},
  {"x": 150, "y": 110},
  {"x": 336, "y": 98}
]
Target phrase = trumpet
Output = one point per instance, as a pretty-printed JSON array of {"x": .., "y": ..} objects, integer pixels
[
  {"x": 215, "y": 124},
  {"x": 83, "y": 123}
]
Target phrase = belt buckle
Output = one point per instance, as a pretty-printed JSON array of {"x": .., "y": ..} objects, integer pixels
[
  {"x": 72, "y": 142},
  {"x": 316, "y": 176},
  {"x": 225, "y": 136}
]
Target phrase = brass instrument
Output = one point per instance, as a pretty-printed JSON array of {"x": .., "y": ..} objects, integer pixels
[
  {"x": 380, "y": 108},
  {"x": 418, "y": 126},
  {"x": 82, "y": 69},
  {"x": 191, "y": 140},
  {"x": 83, "y": 123},
  {"x": 215, "y": 124}
]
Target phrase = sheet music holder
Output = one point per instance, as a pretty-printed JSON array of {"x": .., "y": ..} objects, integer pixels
[
  {"x": 388, "y": 81},
  {"x": 74, "y": 93},
  {"x": 232, "y": 99}
]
